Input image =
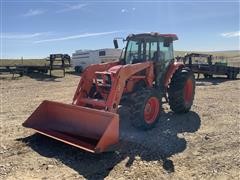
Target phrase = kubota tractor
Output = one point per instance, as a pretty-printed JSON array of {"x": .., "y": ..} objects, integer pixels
[{"x": 145, "y": 74}]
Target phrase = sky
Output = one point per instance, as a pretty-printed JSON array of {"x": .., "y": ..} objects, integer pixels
[{"x": 35, "y": 29}]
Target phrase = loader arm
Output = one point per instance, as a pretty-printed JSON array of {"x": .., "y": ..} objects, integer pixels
[
  {"x": 119, "y": 75},
  {"x": 87, "y": 79}
]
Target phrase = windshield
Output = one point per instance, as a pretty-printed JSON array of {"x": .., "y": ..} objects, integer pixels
[
  {"x": 143, "y": 50},
  {"x": 134, "y": 51}
]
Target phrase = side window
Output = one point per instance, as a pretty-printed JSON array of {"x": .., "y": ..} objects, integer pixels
[
  {"x": 166, "y": 51},
  {"x": 134, "y": 52},
  {"x": 153, "y": 51}
]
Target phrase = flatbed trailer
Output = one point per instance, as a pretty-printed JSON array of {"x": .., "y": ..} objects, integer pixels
[
  {"x": 33, "y": 68},
  {"x": 56, "y": 62},
  {"x": 209, "y": 69},
  {"x": 24, "y": 69}
]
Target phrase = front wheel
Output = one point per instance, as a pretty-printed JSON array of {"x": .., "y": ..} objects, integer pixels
[
  {"x": 146, "y": 108},
  {"x": 181, "y": 90}
]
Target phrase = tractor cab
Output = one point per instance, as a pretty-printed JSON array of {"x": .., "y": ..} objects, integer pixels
[{"x": 148, "y": 47}]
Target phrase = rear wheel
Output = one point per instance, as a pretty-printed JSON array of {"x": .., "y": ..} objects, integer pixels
[
  {"x": 145, "y": 108},
  {"x": 181, "y": 90}
]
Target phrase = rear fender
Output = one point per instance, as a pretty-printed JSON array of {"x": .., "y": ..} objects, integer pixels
[{"x": 171, "y": 70}]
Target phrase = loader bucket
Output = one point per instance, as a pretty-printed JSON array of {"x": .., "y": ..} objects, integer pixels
[{"x": 88, "y": 129}]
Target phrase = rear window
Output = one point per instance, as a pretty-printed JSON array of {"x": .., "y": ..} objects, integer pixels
[{"x": 102, "y": 53}]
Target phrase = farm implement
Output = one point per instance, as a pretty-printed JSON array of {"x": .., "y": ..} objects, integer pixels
[{"x": 208, "y": 68}]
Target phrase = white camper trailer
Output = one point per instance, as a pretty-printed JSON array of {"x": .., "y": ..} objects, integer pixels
[{"x": 83, "y": 58}]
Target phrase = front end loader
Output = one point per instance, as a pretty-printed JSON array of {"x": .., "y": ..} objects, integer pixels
[{"x": 140, "y": 79}]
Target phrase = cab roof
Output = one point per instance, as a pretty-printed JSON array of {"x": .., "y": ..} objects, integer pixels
[{"x": 152, "y": 35}]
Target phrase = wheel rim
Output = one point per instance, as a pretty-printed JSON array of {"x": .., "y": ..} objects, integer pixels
[
  {"x": 188, "y": 91},
  {"x": 151, "y": 110}
]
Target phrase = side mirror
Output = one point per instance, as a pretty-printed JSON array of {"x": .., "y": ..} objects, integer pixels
[{"x": 115, "y": 42}]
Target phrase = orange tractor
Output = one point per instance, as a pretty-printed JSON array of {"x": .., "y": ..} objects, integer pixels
[{"x": 145, "y": 73}]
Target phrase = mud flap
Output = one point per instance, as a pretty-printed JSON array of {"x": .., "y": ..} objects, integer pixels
[{"x": 88, "y": 129}]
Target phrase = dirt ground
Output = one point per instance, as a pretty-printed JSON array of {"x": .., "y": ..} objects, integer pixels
[{"x": 202, "y": 144}]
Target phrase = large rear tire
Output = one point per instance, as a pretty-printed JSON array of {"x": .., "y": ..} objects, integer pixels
[
  {"x": 181, "y": 90},
  {"x": 146, "y": 108}
]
